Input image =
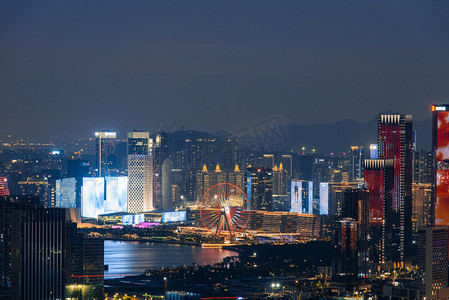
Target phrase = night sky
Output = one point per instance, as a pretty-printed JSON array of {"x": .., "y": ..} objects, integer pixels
[{"x": 73, "y": 67}]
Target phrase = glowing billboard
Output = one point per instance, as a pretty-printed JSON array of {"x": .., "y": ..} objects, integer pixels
[
  {"x": 65, "y": 193},
  {"x": 441, "y": 147},
  {"x": 302, "y": 196},
  {"x": 133, "y": 219},
  {"x": 116, "y": 194},
  {"x": 92, "y": 203},
  {"x": 324, "y": 198},
  {"x": 174, "y": 216}
]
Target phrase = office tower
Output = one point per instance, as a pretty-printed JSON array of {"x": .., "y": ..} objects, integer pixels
[
  {"x": 336, "y": 196},
  {"x": 379, "y": 182},
  {"x": 30, "y": 233},
  {"x": 301, "y": 196},
  {"x": 236, "y": 177},
  {"x": 303, "y": 165},
  {"x": 85, "y": 264},
  {"x": 4, "y": 190},
  {"x": 140, "y": 171},
  {"x": 356, "y": 206},
  {"x": 34, "y": 186},
  {"x": 422, "y": 166},
  {"x": 440, "y": 178},
  {"x": 205, "y": 179},
  {"x": 167, "y": 200},
  {"x": 176, "y": 196},
  {"x": 106, "y": 154},
  {"x": 433, "y": 259},
  {"x": 259, "y": 188},
  {"x": 287, "y": 162},
  {"x": 139, "y": 143},
  {"x": 322, "y": 170},
  {"x": 324, "y": 198},
  {"x": 396, "y": 141},
  {"x": 345, "y": 261},
  {"x": 160, "y": 152},
  {"x": 422, "y": 197},
  {"x": 280, "y": 181},
  {"x": 231, "y": 154},
  {"x": 356, "y": 157}
]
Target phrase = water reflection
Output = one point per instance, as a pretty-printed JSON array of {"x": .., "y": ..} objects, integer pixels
[{"x": 135, "y": 257}]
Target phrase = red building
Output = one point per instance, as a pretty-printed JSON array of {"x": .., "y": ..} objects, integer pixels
[
  {"x": 440, "y": 182},
  {"x": 4, "y": 191},
  {"x": 396, "y": 141}
]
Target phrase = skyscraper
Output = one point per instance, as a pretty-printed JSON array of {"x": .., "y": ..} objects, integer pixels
[
  {"x": 395, "y": 141},
  {"x": 106, "y": 154},
  {"x": 301, "y": 196},
  {"x": 356, "y": 207},
  {"x": 160, "y": 153},
  {"x": 433, "y": 259},
  {"x": 167, "y": 199},
  {"x": 259, "y": 188},
  {"x": 379, "y": 183},
  {"x": 440, "y": 178},
  {"x": 140, "y": 172}
]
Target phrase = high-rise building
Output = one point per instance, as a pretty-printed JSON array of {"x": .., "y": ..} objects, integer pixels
[
  {"x": 106, "y": 154},
  {"x": 140, "y": 183},
  {"x": 423, "y": 166},
  {"x": 167, "y": 199},
  {"x": 433, "y": 259},
  {"x": 345, "y": 261},
  {"x": 4, "y": 190},
  {"x": 259, "y": 188},
  {"x": 336, "y": 190},
  {"x": 160, "y": 153},
  {"x": 301, "y": 196},
  {"x": 396, "y": 141},
  {"x": 356, "y": 156},
  {"x": 33, "y": 248},
  {"x": 324, "y": 198},
  {"x": 231, "y": 154},
  {"x": 140, "y": 172},
  {"x": 280, "y": 181},
  {"x": 206, "y": 179},
  {"x": 422, "y": 197},
  {"x": 440, "y": 178},
  {"x": 385, "y": 236},
  {"x": 139, "y": 143},
  {"x": 287, "y": 162},
  {"x": 356, "y": 207}
]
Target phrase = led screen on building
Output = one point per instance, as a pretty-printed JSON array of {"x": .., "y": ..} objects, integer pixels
[
  {"x": 442, "y": 162},
  {"x": 133, "y": 219},
  {"x": 296, "y": 192},
  {"x": 174, "y": 216},
  {"x": 92, "y": 197},
  {"x": 65, "y": 193},
  {"x": 324, "y": 198},
  {"x": 116, "y": 194}
]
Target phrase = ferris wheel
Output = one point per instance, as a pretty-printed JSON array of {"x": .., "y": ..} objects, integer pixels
[{"x": 225, "y": 207}]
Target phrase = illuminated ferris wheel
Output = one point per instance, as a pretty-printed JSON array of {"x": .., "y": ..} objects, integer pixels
[{"x": 225, "y": 207}]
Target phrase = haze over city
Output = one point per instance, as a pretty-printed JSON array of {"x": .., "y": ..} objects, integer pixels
[{"x": 76, "y": 67}]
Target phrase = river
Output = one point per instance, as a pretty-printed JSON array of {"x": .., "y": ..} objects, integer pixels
[{"x": 126, "y": 258}]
